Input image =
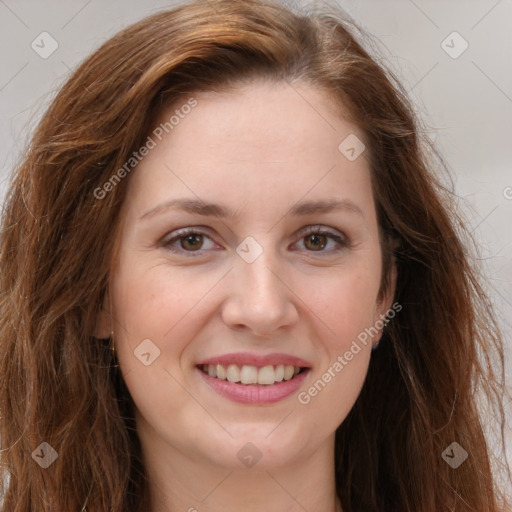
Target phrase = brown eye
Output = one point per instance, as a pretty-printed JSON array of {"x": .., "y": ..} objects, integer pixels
[
  {"x": 191, "y": 242},
  {"x": 188, "y": 242},
  {"x": 315, "y": 242},
  {"x": 318, "y": 239}
]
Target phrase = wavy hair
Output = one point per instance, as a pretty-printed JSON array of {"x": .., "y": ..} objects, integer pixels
[{"x": 59, "y": 384}]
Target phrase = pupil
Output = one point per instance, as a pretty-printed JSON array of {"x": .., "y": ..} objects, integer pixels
[
  {"x": 317, "y": 239},
  {"x": 191, "y": 241}
]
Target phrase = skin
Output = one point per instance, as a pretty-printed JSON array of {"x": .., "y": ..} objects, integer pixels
[{"x": 257, "y": 149}]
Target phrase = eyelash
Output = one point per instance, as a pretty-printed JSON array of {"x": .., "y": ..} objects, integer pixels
[{"x": 309, "y": 230}]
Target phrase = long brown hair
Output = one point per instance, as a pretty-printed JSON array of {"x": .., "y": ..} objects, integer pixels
[{"x": 59, "y": 384}]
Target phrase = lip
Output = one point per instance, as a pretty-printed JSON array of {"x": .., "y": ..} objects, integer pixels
[
  {"x": 254, "y": 395},
  {"x": 258, "y": 360}
]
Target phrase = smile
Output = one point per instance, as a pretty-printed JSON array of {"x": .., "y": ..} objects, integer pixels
[
  {"x": 249, "y": 374},
  {"x": 254, "y": 379}
]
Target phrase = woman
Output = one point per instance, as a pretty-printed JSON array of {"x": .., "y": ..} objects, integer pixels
[{"x": 230, "y": 281}]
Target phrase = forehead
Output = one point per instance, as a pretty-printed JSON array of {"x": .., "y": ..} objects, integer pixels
[
  {"x": 265, "y": 116},
  {"x": 259, "y": 140}
]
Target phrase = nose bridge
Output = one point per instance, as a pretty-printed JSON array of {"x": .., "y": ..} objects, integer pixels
[
  {"x": 259, "y": 299},
  {"x": 258, "y": 274}
]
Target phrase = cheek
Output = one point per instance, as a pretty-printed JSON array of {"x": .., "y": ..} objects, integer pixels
[
  {"x": 346, "y": 303},
  {"x": 155, "y": 303},
  {"x": 346, "y": 306},
  {"x": 162, "y": 305}
]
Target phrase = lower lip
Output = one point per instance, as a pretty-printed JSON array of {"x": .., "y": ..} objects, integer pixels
[{"x": 255, "y": 394}]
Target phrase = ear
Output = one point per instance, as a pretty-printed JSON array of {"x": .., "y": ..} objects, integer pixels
[
  {"x": 103, "y": 320},
  {"x": 385, "y": 304}
]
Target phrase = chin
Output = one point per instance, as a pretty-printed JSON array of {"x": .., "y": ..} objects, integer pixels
[{"x": 256, "y": 446}]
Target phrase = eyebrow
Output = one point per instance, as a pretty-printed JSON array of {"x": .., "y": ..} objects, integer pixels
[{"x": 199, "y": 207}]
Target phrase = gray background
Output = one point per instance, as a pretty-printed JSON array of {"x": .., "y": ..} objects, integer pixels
[{"x": 466, "y": 102}]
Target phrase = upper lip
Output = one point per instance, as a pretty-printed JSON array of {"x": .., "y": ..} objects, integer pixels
[{"x": 259, "y": 360}]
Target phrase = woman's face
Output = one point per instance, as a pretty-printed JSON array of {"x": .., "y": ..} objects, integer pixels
[{"x": 249, "y": 251}]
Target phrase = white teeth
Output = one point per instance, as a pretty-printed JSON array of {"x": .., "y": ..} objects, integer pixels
[
  {"x": 266, "y": 375},
  {"x": 279, "y": 376},
  {"x": 249, "y": 374},
  {"x": 288, "y": 372},
  {"x": 233, "y": 373},
  {"x": 221, "y": 372}
]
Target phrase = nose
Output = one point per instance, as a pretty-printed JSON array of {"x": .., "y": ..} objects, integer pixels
[{"x": 259, "y": 299}]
